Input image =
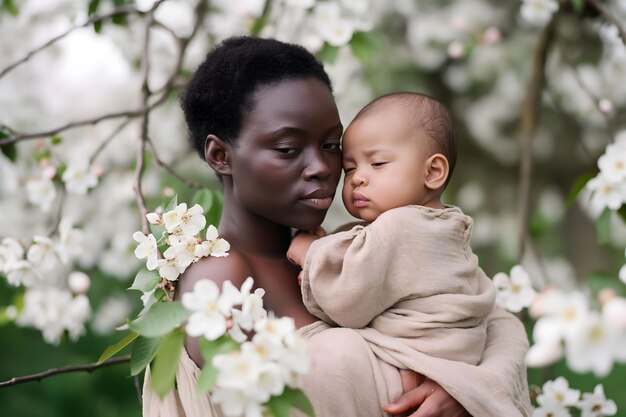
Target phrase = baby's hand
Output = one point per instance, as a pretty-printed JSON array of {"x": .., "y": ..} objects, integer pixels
[{"x": 300, "y": 245}]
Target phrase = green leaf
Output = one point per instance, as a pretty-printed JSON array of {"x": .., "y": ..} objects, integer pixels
[
  {"x": 10, "y": 151},
  {"x": 93, "y": 7},
  {"x": 301, "y": 401},
  {"x": 10, "y": 7},
  {"x": 56, "y": 140},
  {"x": 116, "y": 348},
  {"x": 209, "y": 350},
  {"x": 280, "y": 405},
  {"x": 603, "y": 227},
  {"x": 166, "y": 362},
  {"x": 171, "y": 205},
  {"x": 578, "y": 5},
  {"x": 364, "y": 44},
  {"x": 161, "y": 319},
  {"x": 145, "y": 281},
  {"x": 143, "y": 351},
  {"x": 257, "y": 26},
  {"x": 328, "y": 53},
  {"x": 578, "y": 185}
]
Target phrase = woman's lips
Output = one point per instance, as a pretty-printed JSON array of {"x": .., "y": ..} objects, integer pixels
[{"x": 318, "y": 203}]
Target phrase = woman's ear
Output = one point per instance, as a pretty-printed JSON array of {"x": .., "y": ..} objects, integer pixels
[
  {"x": 437, "y": 170},
  {"x": 217, "y": 154}
]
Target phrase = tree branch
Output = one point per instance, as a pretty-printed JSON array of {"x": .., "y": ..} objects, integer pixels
[
  {"x": 108, "y": 140},
  {"x": 66, "y": 369},
  {"x": 159, "y": 161},
  {"x": 24, "y": 136},
  {"x": 116, "y": 12},
  {"x": 530, "y": 121}
]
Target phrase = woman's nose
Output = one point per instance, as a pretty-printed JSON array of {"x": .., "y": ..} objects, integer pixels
[{"x": 317, "y": 168}]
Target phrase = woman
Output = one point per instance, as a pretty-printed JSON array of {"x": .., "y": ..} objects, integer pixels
[{"x": 262, "y": 114}]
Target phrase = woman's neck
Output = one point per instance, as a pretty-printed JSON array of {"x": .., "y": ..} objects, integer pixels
[{"x": 252, "y": 234}]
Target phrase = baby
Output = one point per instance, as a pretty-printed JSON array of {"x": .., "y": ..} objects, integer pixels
[{"x": 406, "y": 279}]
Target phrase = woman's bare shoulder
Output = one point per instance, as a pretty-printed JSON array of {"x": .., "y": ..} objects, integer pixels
[{"x": 234, "y": 268}]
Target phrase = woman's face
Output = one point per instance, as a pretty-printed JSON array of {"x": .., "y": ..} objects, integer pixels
[{"x": 286, "y": 162}]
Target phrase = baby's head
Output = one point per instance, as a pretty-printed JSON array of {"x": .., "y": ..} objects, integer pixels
[{"x": 399, "y": 150}]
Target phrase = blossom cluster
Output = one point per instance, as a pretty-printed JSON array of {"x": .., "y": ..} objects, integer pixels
[
  {"x": 608, "y": 188},
  {"x": 180, "y": 241},
  {"x": 556, "y": 398},
  {"x": 54, "y": 299},
  {"x": 275, "y": 357},
  {"x": 567, "y": 325}
]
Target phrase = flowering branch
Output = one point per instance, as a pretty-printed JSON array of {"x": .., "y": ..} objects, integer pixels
[
  {"x": 94, "y": 19},
  {"x": 66, "y": 369},
  {"x": 530, "y": 120}
]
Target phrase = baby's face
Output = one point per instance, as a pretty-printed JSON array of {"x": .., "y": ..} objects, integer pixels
[{"x": 385, "y": 164}]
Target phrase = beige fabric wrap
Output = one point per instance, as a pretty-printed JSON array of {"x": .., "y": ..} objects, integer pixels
[{"x": 354, "y": 371}]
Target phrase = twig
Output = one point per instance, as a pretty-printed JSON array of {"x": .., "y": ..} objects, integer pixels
[
  {"x": 159, "y": 161},
  {"x": 604, "y": 11},
  {"x": 199, "y": 13},
  {"x": 66, "y": 369},
  {"x": 583, "y": 146},
  {"x": 144, "y": 117},
  {"x": 93, "y": 19},
  {"x": 23, "y": 136},
  {"x": 108, "y": 140},
  {"x": 59, "y": 215},
  {"x": 530, "y": 120},
  {"x": 587, "y": 90}
]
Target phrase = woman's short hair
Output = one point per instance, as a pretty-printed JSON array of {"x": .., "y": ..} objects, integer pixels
[{"x": 219, "y": 94}]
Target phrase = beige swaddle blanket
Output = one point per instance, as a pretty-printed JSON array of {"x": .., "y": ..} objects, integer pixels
[{"x": 411, "y": 287}]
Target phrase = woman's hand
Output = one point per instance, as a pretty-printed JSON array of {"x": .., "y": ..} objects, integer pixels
[{"x": 424, "y": 398}]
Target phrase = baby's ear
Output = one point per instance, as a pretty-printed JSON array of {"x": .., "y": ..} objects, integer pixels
[
  {"x": 217, "y": 154},
  {"x": 437, "y": 170}
]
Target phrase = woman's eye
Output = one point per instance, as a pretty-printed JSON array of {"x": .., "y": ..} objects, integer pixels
[
  {"x": 378, "y": 164},
  {"x": 332, "y": 147},
  {"x": 347, "y": 170},
  {"x": 286, "y": 151}
]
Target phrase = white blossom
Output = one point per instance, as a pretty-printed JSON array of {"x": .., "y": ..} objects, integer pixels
[
  {"x": 54, "y": 311},
  {"x": 183, "y": 252},
  {"x": 558, "y": 392},
  {"x": 605, "y": 194},
  {"x": 212, "y": 245},
  {"x": 239, "y": 370},
  {"x": 169, "y": 269},
  {"x": 10, "y": 251},
  {"x": 78, "y": 178},
  {"x": 612, "y": 163},
  {"x": 596, "y": 404},
  {"x": 590, "y": 346},
  {"x": 514, "y": 292},
  {"x": 42, "y": 253},
  {"x": 23, "y": 273},
  {"x": 188, "y": 222},
  {"x": 147, "y": 248},
  {"x": 538, "y": 12},
  {"x": 78, "y": 282},
  {"x": 207, "y": 320},
  {"x": 41, "y": 193},
  {"x": 71, "y": 241}
]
